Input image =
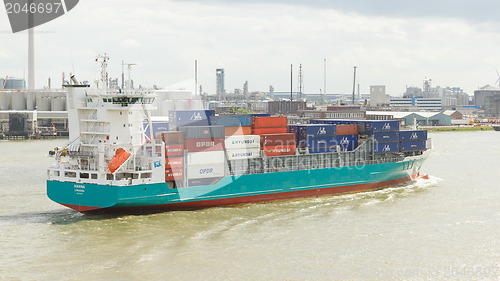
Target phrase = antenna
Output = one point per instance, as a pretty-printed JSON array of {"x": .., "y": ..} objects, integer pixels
[
  {"x": 498, "y": 80},
  {"x": 129, "y": 68}
]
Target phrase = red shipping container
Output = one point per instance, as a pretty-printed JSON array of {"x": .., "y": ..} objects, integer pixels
[
  {"x": 279, "y": 150},
  {"x": 197, "y": 145},
  {"x": 174, "y": 174},
  {"x": 174, "y": 162},
  {"x": 344, "y": 130},
  {"x": 278, "y": 139},
  {"x": 237, "y": 131},
  {"x": 269, "y": 122},
  {"x": 172, "y": 137},
  {"x": 173, "y": 150},
  {"x": 264, "y": 131}
]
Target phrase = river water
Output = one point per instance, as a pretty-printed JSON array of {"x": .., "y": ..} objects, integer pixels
[{"x": 443, "y": 228}]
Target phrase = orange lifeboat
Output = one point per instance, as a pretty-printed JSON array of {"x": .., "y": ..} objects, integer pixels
[{"x": 120, "y": 157}]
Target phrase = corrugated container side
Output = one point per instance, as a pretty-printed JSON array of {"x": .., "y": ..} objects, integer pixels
[
  {"x": 317, "y": 142},
  {"x": 172, "y": 137},
  {"x": 269, "y": 122},
  {"x": 203, "y": 132},
  {"x": 174, "y": 162},
  {"x": 205, "y": 157},
  {"x": 233, "y": 120},
  {"x": 188, "y": 116},
  {"x": 381, "y": 125},
  {"x": 343, "y": 130},
  {"x": 305, "y": 130},
  {"x": 234, "y": 154},
  {"x": 197, "y": 145},
  {"x": 238, "y": 131},
  {"x": 278, "y": 139},
  {"x": 347, "y": 142},
  {"x": 412, "y": 145},
  {"x": 241, "y": 142},
  {"x": 158, "y": 128},
  {"x": 387, "y": 147},
  {"x": 174, "y": 174},
  {"x": 206, "y": 181},
  {"x": 264, "y": 131},
  {"x": 386, "y": 136},
  {"x": 172, "y": 150},
  {"x": 279, "y": 150},
  {"x": 205, "y": 171},
  {"x": 407, "y": 135}
]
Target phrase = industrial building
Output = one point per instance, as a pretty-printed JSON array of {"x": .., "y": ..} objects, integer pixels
[
  {"x": 488, "y": 98},
  {"x": 406, "y": 118},
  {"x": 417, "y": 103}
]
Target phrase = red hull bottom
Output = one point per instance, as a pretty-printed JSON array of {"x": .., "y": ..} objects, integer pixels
[{"x": 336, "y": 190}]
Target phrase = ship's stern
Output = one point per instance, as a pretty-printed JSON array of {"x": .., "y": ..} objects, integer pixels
[{"x": 82, "y": 197}]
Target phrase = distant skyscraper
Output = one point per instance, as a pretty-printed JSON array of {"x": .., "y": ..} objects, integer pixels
[{"x": 219, "y": 73}]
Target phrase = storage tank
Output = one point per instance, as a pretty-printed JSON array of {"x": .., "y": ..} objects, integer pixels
[
  {"x": 18, "y": 100},
  {"x": 58, "y": 104},
  {"x": 4, "y": 101},
  {"x": 13, "y": 84},
  {"x": 166, "y": 106},
  {"x": 42, "y": 101},
  {"x": 181, "y": 104}
]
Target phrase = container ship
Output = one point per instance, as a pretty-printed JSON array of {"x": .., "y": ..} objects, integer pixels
[{"x": 119, "y": 160}]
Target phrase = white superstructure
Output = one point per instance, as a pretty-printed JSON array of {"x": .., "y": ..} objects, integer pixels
[{"x": 101, "y": 122}]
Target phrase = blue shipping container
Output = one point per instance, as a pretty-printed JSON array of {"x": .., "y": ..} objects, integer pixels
[
  {"x": 189, "y": 116},
  {"x": 412, "y": 145},
  {"x": 317, "y": 142},
  {"x": 158, "y": 127},
  {"x": 387, "y": 147},
  {"x": 305, "y": 130},
  {"x": 233, "y": 121},
  {"x": 386, "y": 136},
  {"x": 371, "y": 126},
  {"x": 407, "y": 135},
  {"x": 347, "y": 142}
]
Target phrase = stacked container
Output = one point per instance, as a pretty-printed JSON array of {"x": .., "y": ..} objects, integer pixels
[
  {"x": 242, "y": 147},
  {"x": 157, "y": 127},
  {"x": 205, "y": 157},
  {"x": 385, "y": 134},
  {"x": 412, "y": 140},
  {"x": 182, "y": 118},
  {"x": 278, "y": 144},
  {"x": 317, "y": 138},
  {"x": 269, "y": 125},
  {"x": 235, "y": 124},
  {"x": 174, "y": 153}
]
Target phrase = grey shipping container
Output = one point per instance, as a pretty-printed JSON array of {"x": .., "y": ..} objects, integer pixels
[{"x": 203, "y": 132}]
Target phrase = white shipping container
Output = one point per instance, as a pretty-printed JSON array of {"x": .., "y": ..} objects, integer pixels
[
  {"x": 248, "y": 153},
  {"x": 205, "y": 171},
  {"x": 205, "y": 157},
  {"x": 242, "y": 141}
]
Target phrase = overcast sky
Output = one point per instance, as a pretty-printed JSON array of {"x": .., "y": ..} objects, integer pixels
[{"x": 392, "y": 42}]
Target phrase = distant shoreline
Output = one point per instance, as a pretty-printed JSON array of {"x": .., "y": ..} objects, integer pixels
[{"x": 456, "y": 128}]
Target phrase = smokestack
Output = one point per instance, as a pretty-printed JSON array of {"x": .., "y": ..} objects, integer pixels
[
  {"x": 75, "y": 81},
  {"x": 31, "y": 59}
]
